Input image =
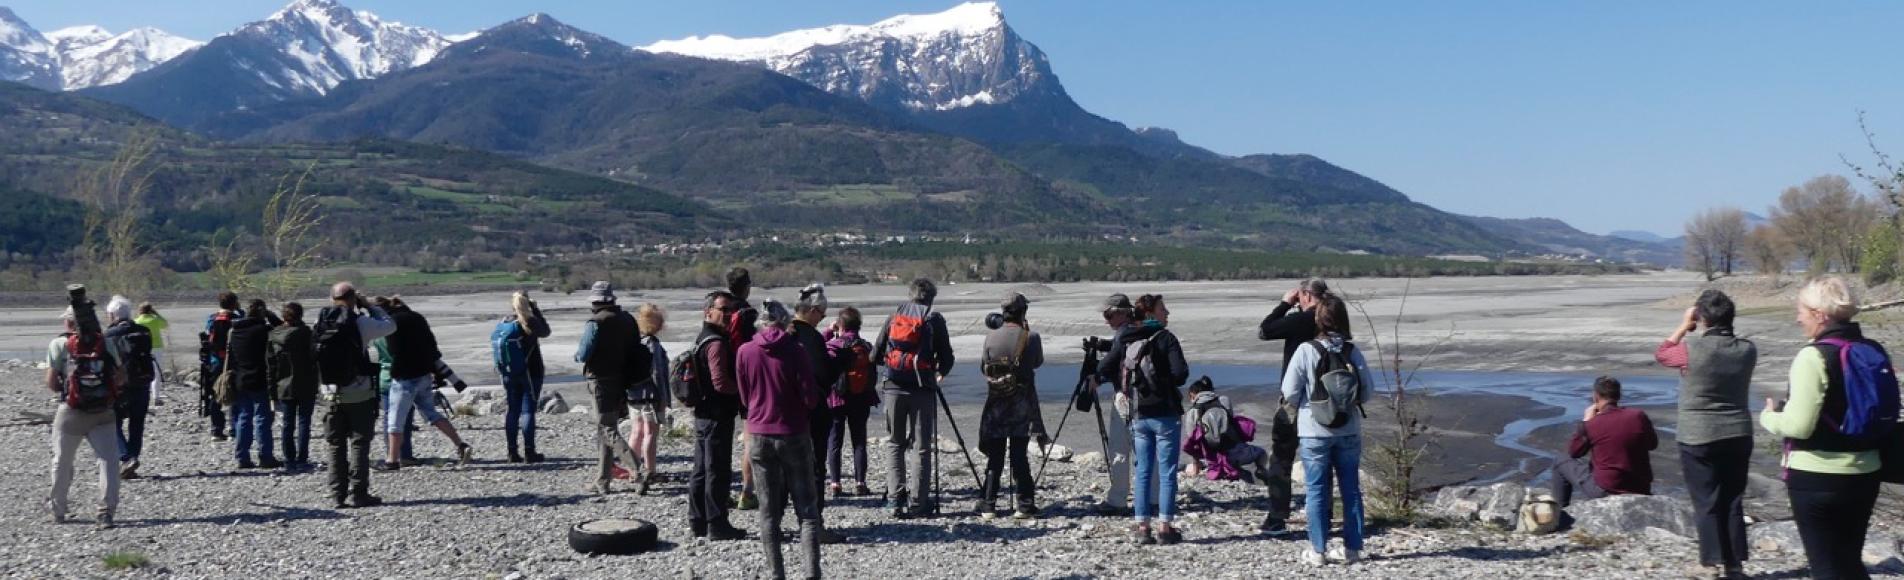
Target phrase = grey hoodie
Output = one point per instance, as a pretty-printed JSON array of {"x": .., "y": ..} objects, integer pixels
[
  {"x": 1298, "y": 379},
  {"x": 1212, "y": 421}
]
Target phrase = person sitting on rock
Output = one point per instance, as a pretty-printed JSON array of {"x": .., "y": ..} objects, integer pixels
[{"x": 1619, "y": 439}]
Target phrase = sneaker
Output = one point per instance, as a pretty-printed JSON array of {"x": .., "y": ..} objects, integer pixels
[
  {"x": 1025, "y": 512},
  {"x": 833, "y": 489},
  {"x": 725, "y": 533},
  {"x": 463, "y": 452},
  {"x": 1313, "y": 558},
  {"x": 618, "y": 472},
  {"x": 385, "y": 466},
  {"x": 897, "y": 506},
  {"x": 1272, "y": 526},
  {"x": 515, "y": 457},
  {"x": 104, "y": 520},
  {"x": 129, "y": 470},
  {"x": 747, "y": 502},
  {"x": 986, "y": 511},
  {"x": 1345, "y": 556},
  {"x": 366, "y": 501},
  {"x": 1140, "y": 534},
  {"x": 532, "y": 457},
  {"x": 1168, "y": 535}
]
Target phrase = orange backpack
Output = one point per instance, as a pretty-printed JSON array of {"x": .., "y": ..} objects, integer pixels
[{"x": 908, "y": 338}]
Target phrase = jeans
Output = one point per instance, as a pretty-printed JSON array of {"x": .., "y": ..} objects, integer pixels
[
  {"x": 997, "y": 450},
  {"x": 95, "y": 428},
  {"x": 847, "y": 421},
  {"x": 355, "y": 423},
  {"x": 1118, "y": 434},
  {"x": 296, "y": 430},
  {"x": 251, "y": 419},
  {"x": 713, "y": 473},
  {"x": 783, "y": 467},
  {"x": 1157, "y": 441},
  {"x": 1715, "y": 476},
  {"x": 1340, "y": 457},
  {"x": 1575, "y": 477},
  {"x": 521, "y": 394},
  {"x": 912, "y": 419},
  {"x": 406, "y": 395},
  {"x": 133, "y": 406},
  {"x": 1833, "y": 513}
]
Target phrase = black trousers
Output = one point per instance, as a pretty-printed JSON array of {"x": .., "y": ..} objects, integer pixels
[
  {"x": 355, "y": 424},
  {"x": 1833, "y": 513},
  {"x": 819, "y": 426},
  {"x": 996, "y": 451},
  {"x": 713, "y": 472},
  {"x": 1715, "y": 476}
]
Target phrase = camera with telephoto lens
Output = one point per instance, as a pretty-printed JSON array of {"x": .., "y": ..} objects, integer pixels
[
  {"x": 1092, "y": 343},
  {"x": 83, "y": 314},
  {"x": 995, "y": 320}
]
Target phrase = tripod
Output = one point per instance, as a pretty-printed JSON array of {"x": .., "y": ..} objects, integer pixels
[
  {"x": 937, "y": 500},
  {"x": 1087, "y": 387}
]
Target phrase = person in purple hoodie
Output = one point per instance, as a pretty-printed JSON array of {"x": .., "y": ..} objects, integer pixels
[
  {"x": 777, "y": 385},
  {"x": 852, "y": 397}
]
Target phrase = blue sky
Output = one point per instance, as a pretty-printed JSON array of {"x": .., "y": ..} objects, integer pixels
[{"x": 1610, "y": 115}]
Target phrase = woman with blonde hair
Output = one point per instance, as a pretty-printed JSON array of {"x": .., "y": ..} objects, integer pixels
[
  {"x": 518, "y": 351},
  {"x": 1835, "y": 416},
  {"x": 649, "y": 396}
]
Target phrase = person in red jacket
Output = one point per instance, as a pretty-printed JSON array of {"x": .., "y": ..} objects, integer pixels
[
  {"x": 776, "y": 382},
  {"x": 1620, "y": 440}
]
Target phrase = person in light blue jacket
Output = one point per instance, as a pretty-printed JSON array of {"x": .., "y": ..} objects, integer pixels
[{"x": 1329, "y": 451}]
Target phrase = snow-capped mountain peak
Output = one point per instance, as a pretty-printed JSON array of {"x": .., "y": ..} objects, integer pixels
[
  {"x": 91, "y": 56},
  {"x": 324, "y": 43},
  {"x": 26, "y": 56},
  {"x": 958, "y": 58}
]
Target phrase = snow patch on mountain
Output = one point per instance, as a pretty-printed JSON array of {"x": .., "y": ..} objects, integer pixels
[
  {"x": 26, "y": 56},
  {"x": 91, "y": 56},
  {"x": 325, "y": 43}
]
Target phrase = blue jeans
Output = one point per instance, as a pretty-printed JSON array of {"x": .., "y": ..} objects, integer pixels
[
  {"x": 251, "y": 419},
  {"x": 1156, "y": 443},
  {"x": 296, "y": 432},
  {"x": 522, "y": 395},
  {"x": 406, "y": 395},
  {"x": 1340, "y": 458}
]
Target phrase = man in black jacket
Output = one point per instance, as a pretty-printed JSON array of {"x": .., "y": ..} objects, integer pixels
[
  {"x": 413, "y": 357},
  {"x": 613, "y": 359},
  {"x": 714, "y": 421},
  {"x": 1293, "y": 329},
  {"x": 251, "y": 415}
]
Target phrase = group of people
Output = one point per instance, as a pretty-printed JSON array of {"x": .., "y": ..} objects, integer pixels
[{"x": 800, "y": 395}]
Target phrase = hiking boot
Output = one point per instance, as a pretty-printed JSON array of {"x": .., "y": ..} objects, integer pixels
[
  {"x": 532, "y": 457},
  {"x": 104, "y": 520},
  {"x": 365, "y": 501},
  {"x": 270, "y": 464},
  {"x": 747, "y": 502},
  {"x": 1025, "y": 512},
  {"x": 897, "y": 505},
  {"x": 862, "y": 490},
  {"x": 1168, "y": 535},
  {"x": 1313, "y": 558},
  {"x": 385, "y": 466},
  {"x": 515, "y": 457},
  {"x": 246, "y": 464},
  {"x": 463, "y": 452},
  {"x": 339, "y": 503},
  {"x": 724, "y": 532},
  {"x": 1273, "y": 525},
  {"x": 1140, "y": 534},
  {"x": 1344, "y": 555}
]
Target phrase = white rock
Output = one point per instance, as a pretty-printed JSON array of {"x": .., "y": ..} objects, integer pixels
[{"x": 580, "y": 410}]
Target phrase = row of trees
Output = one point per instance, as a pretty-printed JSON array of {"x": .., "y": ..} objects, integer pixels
[{"x": 1825, "y": 224}]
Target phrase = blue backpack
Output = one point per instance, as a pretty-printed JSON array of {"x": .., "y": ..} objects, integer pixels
[
  {"x": 512, "y": 356},
  {"x": 1870, "y": 389}
]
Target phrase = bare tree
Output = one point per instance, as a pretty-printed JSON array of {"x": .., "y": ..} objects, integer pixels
[
  {"x": 1700, "y": 254},
  {"x": 114, "y": 196},
  {"x": 1818, "y": 218},
  {"x": 1392, "y": 494},
  {"x": 231, "y": 266},
  {"x": 1769, "y": 252},
  {"x": 289, "y": 226}
]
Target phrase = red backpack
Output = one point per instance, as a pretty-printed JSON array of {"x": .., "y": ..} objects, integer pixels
[
  {"x": 89, "y": 385},
  {"x": 907, "y": 339},
  {"x": 860, "y": 376}
]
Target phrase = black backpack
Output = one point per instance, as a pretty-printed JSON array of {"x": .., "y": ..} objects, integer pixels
[
  {"x": 688, "y": 379},
  {"x": 135, "y": 343},
  {"x": 339, "y": 348}
]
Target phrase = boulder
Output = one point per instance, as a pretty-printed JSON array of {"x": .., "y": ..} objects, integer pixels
[
  {"x": 1498, "y": 504},
  {"x": 1775, "y": 537},
  {"x": 553, "y": 404},
  {"x": 1632, "y": 514}
]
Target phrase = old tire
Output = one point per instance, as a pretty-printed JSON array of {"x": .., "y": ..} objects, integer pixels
[{"x": 613, "y": 536}]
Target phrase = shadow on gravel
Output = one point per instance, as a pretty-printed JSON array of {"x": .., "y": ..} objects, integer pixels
[
  {"x": 939, "y": 531},
  {"x": 1488, "y": 554},
  {"x": 545, "y": 465},
  {"x": 517, "y": 500},
  {"x": 222, "y": 474},
  {"x": 277, "y": 513}
]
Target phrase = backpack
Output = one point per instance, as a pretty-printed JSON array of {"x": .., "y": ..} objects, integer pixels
[
  {"x": 1336, "y": 388},
  {"x": 1870, "y": 391},
  {"x": 1236, "y": 431},
  {"x": 687, "y": 379},
  {"x": 507, "y": 344},
  {"x": 135, "y": 344},
  {"x": 1139, "y": 370},
  {"x": 339, "y": 348},
  {"x": 908, "y": 338},
  {"x": 860, "y": 374},
  {"x": 216, "y": 337},
  {"x": 1001, "y": 373},
  {"x": 89, "y": 385}
]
